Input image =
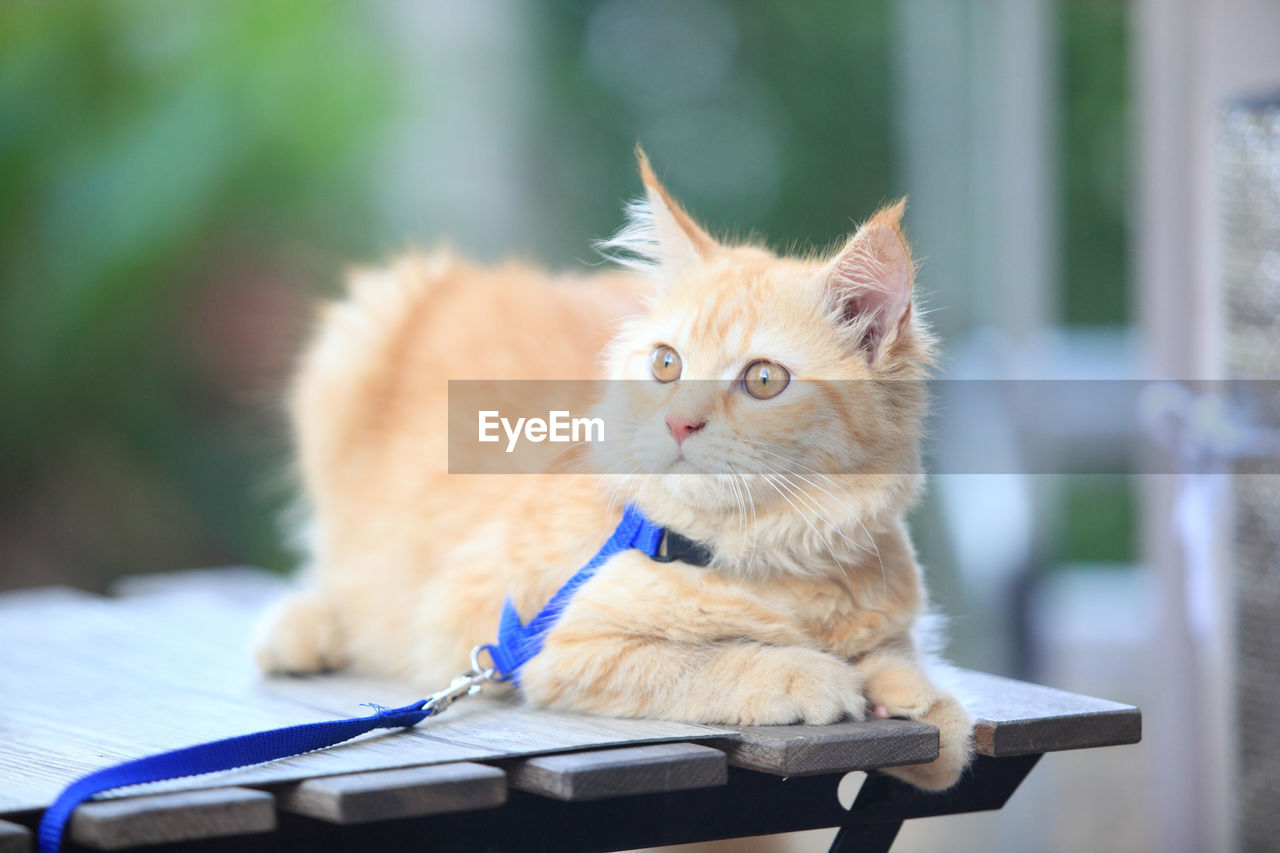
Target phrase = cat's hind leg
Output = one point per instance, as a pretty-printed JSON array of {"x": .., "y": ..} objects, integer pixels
[{"x": 300, "y": 634}]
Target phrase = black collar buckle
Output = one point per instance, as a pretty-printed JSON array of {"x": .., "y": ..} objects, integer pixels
[{"x": 675, "y": 547}]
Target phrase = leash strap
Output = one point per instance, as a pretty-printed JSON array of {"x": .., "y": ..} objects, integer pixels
[
  {"x": 224, "y": 754},
  {"x": 517, "y": 644}
]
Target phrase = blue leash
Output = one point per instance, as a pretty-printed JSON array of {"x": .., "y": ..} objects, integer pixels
[{"x": 517, "y": 644}]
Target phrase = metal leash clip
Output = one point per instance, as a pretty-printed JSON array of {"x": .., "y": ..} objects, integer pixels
[{"x": 470, "y": 683}]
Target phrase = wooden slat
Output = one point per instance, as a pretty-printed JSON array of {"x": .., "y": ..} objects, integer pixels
[
  {"x": 14, "y": 838},
  {"x": 392, "y": 794},
  {"x": 838, "y": 748},
  {"x": 620, "y": 772},
  {"x": 1017, "y": 718},
  {"x": 185, "y": 816}
]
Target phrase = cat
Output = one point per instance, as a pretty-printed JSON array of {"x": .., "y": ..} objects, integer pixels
[{"x": 806, "y": 611}]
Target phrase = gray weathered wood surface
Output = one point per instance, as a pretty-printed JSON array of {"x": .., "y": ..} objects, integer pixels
[
  {"x": 1016, "y": 718},
  {"x": 841, "y": 747},
  {"x": 391, "y": 794},
  {"x": 619, "y": 772},
  {"x": 120, "y": 678},
  {"x": 14, "y": 838},
  {"x": 90, "y": 681},
  {"x": 178, "y": 816}
]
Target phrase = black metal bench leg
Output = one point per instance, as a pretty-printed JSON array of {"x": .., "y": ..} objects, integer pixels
[
  {"x": 869, "y": 838},
  {"x": 884, "y": 802}
]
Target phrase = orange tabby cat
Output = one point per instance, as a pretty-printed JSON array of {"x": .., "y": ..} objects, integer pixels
[{"x": 806, "y": 610}]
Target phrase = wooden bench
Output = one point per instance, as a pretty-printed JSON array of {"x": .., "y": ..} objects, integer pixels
[{"x": 88, "y": 681}]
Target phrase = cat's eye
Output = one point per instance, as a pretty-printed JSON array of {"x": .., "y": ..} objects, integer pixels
[
  {"x": 765, "y": 379},
  {"x": 665, "y": 364}
]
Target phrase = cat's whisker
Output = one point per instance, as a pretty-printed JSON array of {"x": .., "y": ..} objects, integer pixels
[
  {"x": 743, "y": 528},
  {"x": 873, "y": 549},
  {"x": 803, "y": 516},
  {"x": 737, "y": 504},
  {"x": 817, "y": 512},
  {"x": 884, "y": 575},
  {"x": 765, "y": 449},
  {"x": 755, "y": 520},
  {"x": 748, "y": 502},
  {"x": 854, "y": 516}
]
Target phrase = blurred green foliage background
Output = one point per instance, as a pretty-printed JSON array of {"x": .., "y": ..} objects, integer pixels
[
  {"x": 171, "y": 177},
  {"x": 180, "y": 182}
]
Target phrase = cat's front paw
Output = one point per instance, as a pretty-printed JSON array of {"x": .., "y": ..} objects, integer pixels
[
  {"x": 795, "y": 685},
  {"x": 299, "y": 635},
  {"x": 900, "y": 692}
]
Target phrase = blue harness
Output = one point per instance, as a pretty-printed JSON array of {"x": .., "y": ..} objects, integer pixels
[{"x": 517, "y": 644}]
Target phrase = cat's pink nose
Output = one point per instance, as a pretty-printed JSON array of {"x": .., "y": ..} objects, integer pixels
[{"x": 681, "y": 428}]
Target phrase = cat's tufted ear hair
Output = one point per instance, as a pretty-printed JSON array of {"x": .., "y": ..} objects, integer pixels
[
  {"x": 870, "y": 280},
  {"x": 659, "y": 234}
]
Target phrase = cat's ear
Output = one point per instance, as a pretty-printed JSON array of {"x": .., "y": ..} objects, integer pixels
[
  {"x": 681, "y": 241},
  {"x": 659, "y": 235},
  {"x": 870, "y": 280}
]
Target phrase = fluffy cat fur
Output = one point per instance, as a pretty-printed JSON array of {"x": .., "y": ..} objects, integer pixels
[{"x": 806, "y": 613}]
